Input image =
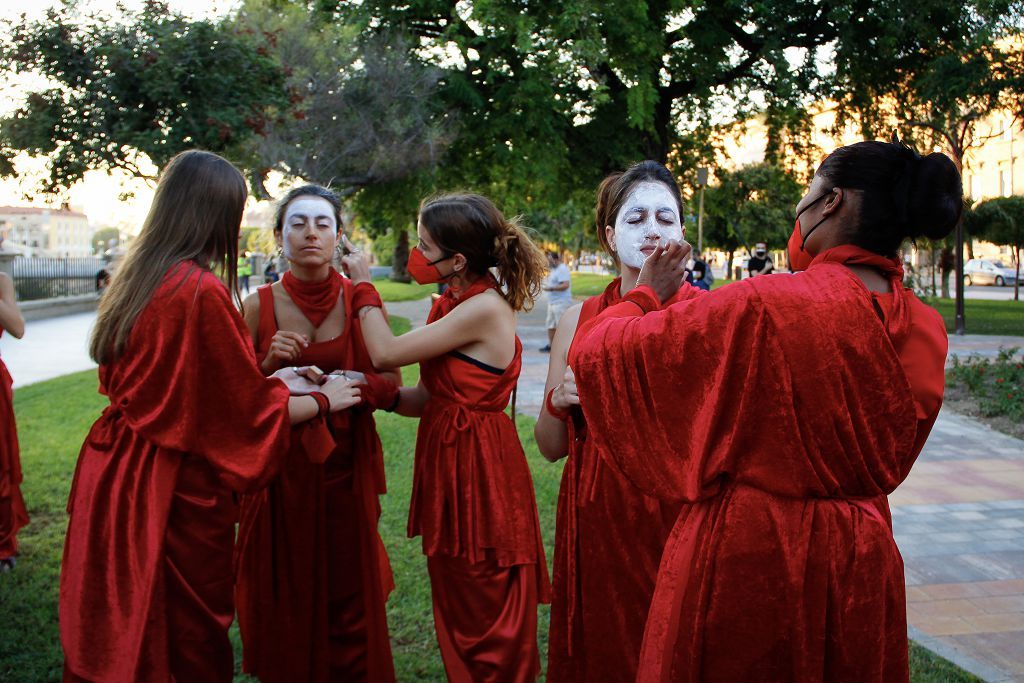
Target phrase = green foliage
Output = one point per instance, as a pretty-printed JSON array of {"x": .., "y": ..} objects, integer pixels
[
  {"x": 1002, "y": 219},
  {"x": 754, "y": 203},
  {"x": 155, "y": 85},
  {"x": 997, "y": 384},
  {"x": 102, "y": 237}
]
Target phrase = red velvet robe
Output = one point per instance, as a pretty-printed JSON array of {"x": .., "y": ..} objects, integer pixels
[
  {"x": 146, "y": 582},
  {"x": 313, "y": 576},
  {"x": 13, "y": 515},
  {"x": 473, "y": 504},
  {"x": 807, "y": 411},
  {"x": 608, "y": 544}
]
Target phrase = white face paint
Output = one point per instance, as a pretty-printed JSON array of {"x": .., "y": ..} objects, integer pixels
[
  {"x": 309, "y": 230},
  {"x": 648, "y": 216}
]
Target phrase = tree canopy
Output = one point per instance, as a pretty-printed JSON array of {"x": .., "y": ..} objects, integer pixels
[{"x": 1003, "y": 218}]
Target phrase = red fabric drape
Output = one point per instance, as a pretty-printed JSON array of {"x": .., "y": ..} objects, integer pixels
[
  {"x": 13, "y": 515},
  {"x": 473, "y": 502},
  {"x": 145, "y": 590},
  {"x": 608, "y": 543},
  {"x": 315, "y": 299},
  {"x": 313, "y": 576},
  {"x": 804, "y": 420}
]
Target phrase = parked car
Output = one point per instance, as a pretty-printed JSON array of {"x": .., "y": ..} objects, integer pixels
[{"x": 979, "y": 271}]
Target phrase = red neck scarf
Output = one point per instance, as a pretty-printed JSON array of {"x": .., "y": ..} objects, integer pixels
[
  {"x": 898, "y": 321},
  {"x": 315, "y": 299},
  {"x": 447, "y": 301}
]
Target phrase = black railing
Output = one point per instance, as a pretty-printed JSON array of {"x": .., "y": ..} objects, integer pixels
[{"x": 47, "y": 278}]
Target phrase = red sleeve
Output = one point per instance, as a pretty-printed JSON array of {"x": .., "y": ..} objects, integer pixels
[
  {"x": 644, "y": 388},
  {"x": 192, "y": 384},
  {"x": 923, "y": 357},
  {"x": 380, "y": 392}
]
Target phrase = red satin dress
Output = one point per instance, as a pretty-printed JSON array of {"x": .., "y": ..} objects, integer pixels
[
  {"x": 608, "y": 544},
  {"x": 473, "y": 504},
  {"x": 13, "y": 514},
  {"x": 146, "y": 581},
  {"x": 781, "y": 410},
  {"x": 313, "y": 575}
]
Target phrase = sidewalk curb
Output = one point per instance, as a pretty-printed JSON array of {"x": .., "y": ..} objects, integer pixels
[{"x": 986, "y": 672}]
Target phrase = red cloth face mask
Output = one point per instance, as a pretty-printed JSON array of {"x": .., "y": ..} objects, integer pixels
[
  {"x": 423, "y": 271},
  {"x": 798, "y": 258}
]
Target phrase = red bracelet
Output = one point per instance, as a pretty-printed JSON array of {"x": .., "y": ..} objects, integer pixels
[
  {"x": 365, "y": 294},
  {"x": 323, "y": 404},
  {"x": 563, "y": 415}
]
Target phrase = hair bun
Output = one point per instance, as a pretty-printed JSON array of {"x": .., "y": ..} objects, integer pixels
[{"x": 934, "y": 198}]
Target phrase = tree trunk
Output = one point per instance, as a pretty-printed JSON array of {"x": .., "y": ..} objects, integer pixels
[
  {"x": 728, "y": 265},
  {"x": 400, "y": 259},
  {"x": 947, "y": 265},
  {"x": 1016, "y": 282},
  {"x": 970, "y": 247},
  {"x": 932, "y": 263}
]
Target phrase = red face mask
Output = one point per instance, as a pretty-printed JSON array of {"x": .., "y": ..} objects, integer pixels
[
  {"x": 798, "y": 258},
  {"x": 423, "y": 271}
]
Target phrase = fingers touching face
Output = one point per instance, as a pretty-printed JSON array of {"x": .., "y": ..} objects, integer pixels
[{"x": 648, "y": 216}]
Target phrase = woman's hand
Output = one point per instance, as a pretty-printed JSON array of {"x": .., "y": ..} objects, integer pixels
[
  {"x": 342, "y": 393},
  {"x": 664, "y": 269},
  {"x": 285, "y": 347},
  {"x": 297, "y": 384},
  {"x": 565, "y": 395},
  {"x": 354, "y": 263}
]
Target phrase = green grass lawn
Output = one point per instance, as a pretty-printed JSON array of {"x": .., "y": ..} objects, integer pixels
[
  {"x": 402, "y": 291},
  {"x": 53, "y": 418},
  {"x": 982, "y": 316}
]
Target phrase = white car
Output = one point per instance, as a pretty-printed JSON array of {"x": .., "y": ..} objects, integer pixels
[{"x": 979, "y": 271}]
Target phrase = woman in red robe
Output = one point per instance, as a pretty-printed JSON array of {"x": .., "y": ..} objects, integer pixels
[
  {"x": 472, "y": 499},
  {"x": 13, "y": 515},
  {"x": 609, "y": 535},
  {"x": 781, "y": 411},
  {"x": 313, "y": 576},
  {"x": 146, "y": 581}
]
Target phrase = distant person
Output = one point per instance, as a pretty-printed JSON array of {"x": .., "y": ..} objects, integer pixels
[
  {"x": 13, "y": 515},
  {"x": 244, "y": 272},
  {"x": 760, "y": 263},
  {"x": 102, "y": 280},
  {"x": 147, "y": 576},
  {"x": 558, "y": 285},
  {"x": 270, "y": 275},
  {"x": 697, "y": 275}
]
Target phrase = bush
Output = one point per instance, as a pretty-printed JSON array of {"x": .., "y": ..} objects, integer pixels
[{"x": 997, "y": 384}]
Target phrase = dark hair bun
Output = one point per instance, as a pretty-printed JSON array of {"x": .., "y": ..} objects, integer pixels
[{"x": 935, "y": 197}]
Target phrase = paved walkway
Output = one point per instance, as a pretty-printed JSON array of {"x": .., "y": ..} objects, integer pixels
[{"x": 958, "y": 519}]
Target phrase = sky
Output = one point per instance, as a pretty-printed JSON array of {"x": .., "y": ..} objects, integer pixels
[{"x": 99, "y": 195}]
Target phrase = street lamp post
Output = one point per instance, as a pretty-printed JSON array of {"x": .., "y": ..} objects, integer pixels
[{"x": 702, "y": 180}]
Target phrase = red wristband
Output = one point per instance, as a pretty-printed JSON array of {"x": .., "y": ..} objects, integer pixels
[
  {"x": 562, "y": 415},
  {"x": 365, "y": 294},
  {"x": 323, "y": 404}
]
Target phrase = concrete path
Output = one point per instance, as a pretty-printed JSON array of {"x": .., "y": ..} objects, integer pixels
[{"x": 50, "y": 348}]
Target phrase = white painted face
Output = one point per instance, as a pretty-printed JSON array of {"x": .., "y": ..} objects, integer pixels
[
  {"x": 648, "y": 216},
  {"x": 309, "y": 231}
]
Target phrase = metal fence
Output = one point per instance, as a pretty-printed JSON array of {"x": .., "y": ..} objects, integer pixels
[{"x": 46, "y": 278}]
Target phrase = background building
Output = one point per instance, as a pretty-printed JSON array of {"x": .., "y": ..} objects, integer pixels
[{"x": 46, "y": 232}]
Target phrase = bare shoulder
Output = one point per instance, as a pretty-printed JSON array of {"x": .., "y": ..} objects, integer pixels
[
  {"x": 571, "y": 318},
  {"x": 6, "y": 283}
]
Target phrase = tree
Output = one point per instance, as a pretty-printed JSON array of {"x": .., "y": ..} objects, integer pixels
[
  {"x": 147, "y": 88},
  {"x": 1004, "y": 224},
  {"x": 754, "y": 203},
  {"x": 104, "y": 238}
]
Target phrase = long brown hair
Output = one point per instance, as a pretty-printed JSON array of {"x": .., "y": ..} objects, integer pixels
[
  {"x": 196, "y": 216},
  {"x": 614, "y": 191},
  {"x": 471, "y": 225}
]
